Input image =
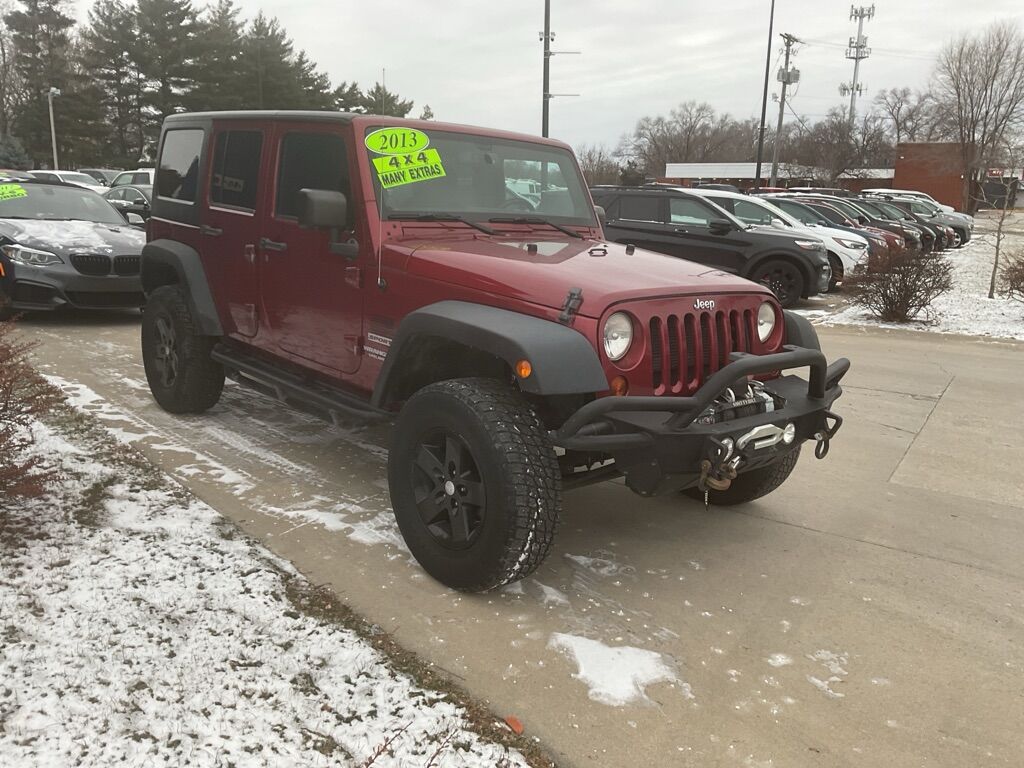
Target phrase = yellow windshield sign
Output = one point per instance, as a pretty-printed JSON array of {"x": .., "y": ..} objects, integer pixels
[
  {"x": 396, "y": 141},
  {"x": 396, "y": 170},
  {"x": 12, "y": 191}
]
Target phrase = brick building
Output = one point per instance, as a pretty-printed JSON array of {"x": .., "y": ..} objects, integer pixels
[{"x": 932, "y": 167}]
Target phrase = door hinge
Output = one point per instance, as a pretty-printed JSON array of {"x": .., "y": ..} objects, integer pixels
[
  {"x": 354, "y": 277},
  {"x": 572, "y": 303}
]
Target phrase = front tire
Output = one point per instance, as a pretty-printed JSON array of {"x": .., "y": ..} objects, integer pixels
[
  {"x": 181, "y": 374},
  {"x": 753, "y": 484},
  {"x": 474, "y": 483},
  {"x": 783, "y": 278}
]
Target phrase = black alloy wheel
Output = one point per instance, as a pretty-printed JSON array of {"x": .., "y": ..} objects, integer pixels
[
  {"x": 449, "y": 489},
  {"x": 783, "y": 279},
  {"x": 166, "y": 357}
]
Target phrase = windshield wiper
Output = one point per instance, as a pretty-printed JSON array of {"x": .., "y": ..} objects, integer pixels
[
  {"x": 534, "y": 220},
  {"x": 440, "y": 217}
]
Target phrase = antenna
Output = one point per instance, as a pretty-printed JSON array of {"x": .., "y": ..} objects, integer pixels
[{"x": 857, "y": 50}]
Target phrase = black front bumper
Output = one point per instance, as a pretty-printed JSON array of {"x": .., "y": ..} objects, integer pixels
[{"x": 658, "y": 444}]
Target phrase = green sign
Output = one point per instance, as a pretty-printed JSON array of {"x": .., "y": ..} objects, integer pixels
[
  {"x": 12, "y": 191},
  {"x": 396, "y": 141},
  {"x": 396, "y": 170}
]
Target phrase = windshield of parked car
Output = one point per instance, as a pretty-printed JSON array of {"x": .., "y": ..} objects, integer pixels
[
  {"x": 45, "y": 201},
  {"x": 894, "y": 212},
  {"x": 78, "y": 178},
  {"x": 475, "y": 177},
  {"x": 799, "y": 211}
]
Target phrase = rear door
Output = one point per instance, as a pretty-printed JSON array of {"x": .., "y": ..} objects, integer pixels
[
  {"x": 640, "y": 220},
  {"x": 311, "y": 297},
  {"x": 690, "y": 222},
  {"x": 230, "y": 228}
]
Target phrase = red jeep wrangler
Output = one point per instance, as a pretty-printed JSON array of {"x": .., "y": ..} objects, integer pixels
[{"x": 455, "y": 279}]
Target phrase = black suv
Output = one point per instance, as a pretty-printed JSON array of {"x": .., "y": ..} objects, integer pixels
[{"x": 677, "y": 223}]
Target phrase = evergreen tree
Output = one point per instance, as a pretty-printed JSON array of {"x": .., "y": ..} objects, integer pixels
[
  {"x": 268, "y": 77},
  {"x": 167, "y": 55},
  {"x": 381, "y": 101},
  {"x": 12, "y": 154},
  {"x": 348, "y": 98},
  {"x": 314, "y": 85},
  {"x": 427, "y": 113},
  {"x": 219, "y": 65},
  {"x": 110, "y": 56},
  {"x": 40, "y": 34}
]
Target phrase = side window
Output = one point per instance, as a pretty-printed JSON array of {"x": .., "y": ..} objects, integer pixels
[
  {"x": 751, "y": 213},
  {"x": 236, "y": 169},
  {"x": 47, "y": 176},
  {"x": 116, "y": 194},
  {"x": 178, "y": 173},
  {"x": 134, "y": 196},
  {"x": 683, "y": 210},
  {"x": 310, "y": 161},
  {"x": 140, "y": 178},
  {"x": 640, "y": 208}
]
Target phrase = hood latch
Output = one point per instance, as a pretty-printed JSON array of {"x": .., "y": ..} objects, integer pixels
[{"x": 572, "y": 303}]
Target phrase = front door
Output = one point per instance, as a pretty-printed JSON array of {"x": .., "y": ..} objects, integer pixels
[
  {"x": 228, "y": 235},
  {"x": 311, "y": 297},
  {"x": 689, "y": 221}
]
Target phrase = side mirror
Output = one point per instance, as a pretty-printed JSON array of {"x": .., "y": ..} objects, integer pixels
[
  {"x": 322, "y": 209},
  {"x": 327, "y": 209},
  {"x": 602, "y": 217},
  {"x": 822, "y": 223},
  {"x": 720, "y": 226},
  {"x": 778, "y": 223},
  {"x": 862, "y": 219},
  {"x": 136, "y": 220}
]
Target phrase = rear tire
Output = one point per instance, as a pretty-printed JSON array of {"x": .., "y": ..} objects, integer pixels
[
  {"x": 753, "y": 484},
  {"x": 181, "y": 374},
  {"x": 474, "y": 482},
  {"x": 837, "y": 272},
  {"x": 783, "y": 278}
]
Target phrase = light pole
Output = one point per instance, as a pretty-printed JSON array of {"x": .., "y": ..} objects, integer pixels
[
  {"x": 546, "y": 95},
  {"x": 53, "y": 131},
  {"x": 764, "y": 98}
]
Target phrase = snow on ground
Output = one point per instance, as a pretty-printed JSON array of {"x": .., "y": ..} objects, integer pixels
[
  {"x": 137, "y": 628},
  {"x": 964, "y": 310}
]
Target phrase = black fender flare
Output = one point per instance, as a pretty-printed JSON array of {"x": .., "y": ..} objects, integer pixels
[
  {"x": 563, "y": 361},
  {"x": 169, "y": 262},
  {"x": 799, "y": 331}
]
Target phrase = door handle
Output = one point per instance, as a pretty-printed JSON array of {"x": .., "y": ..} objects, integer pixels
[
  {"x": 680, "y": 231},
  {"x": 272, "y": 245},
  {"x": 210, "y": 231}
]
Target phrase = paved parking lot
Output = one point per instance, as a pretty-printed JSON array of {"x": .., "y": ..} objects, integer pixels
[{"x": 869, "y": 613}]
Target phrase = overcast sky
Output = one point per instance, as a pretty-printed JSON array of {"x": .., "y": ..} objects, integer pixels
[{"x": 479, "y": 61}]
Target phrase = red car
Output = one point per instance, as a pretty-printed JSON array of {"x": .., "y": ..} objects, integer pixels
[{"x": 379, "y": 268}]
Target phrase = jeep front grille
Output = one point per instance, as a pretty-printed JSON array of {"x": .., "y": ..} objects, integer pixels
[{"x": 686, "y": 349}]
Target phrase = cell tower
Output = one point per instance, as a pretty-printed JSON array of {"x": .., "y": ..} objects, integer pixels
[{"x": 857, "y": 50}]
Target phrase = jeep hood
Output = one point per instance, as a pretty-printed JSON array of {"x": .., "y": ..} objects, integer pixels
[{"x": 604, "y": 271}]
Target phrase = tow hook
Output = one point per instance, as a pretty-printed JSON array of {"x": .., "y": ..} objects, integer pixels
[
  {"x": 824, "y": 435},
  {"x": 719, "y": 470}
]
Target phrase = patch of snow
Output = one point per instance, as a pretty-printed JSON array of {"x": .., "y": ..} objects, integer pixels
[
  {"x": 552, "y": 596},
  {"x": 796, "y": 600},
  {"x": 615, "y": 676},
  {"x": 823, "y": 686},
  {"x": 599, "y": 565},
  {"x": 779, "y": 660},
  {"x": 146, "y": 637}
]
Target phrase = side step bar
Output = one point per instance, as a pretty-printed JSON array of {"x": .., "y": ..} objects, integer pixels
[{"x": 288, "y": 386}]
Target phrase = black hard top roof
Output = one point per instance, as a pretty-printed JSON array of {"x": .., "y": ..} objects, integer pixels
[{"x": 263, "y": 114}]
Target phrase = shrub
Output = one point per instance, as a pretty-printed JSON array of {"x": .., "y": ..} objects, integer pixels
[
  {"x": 12, "y": 154},
  {"x": 1013, "y": 276},
  {"x": 24, "y": 397},
  {"x": 898, "y": 287}
]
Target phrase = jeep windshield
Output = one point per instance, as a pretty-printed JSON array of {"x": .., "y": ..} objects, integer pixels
[{"x": 458, "y": 176}]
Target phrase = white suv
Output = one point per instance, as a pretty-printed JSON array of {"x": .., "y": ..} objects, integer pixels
[
  {"x": 911, "y": 193},
  {"x": 846, "y": 250},
  {"x": 140, "y": 177}
]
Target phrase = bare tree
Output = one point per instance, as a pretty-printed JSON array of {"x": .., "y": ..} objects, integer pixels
[
  {"x": 598, "y": 164},
  {"x": 911, "y": 114},
  {"x": 12, "y": 91},
  {"x": 981, "y": 80},
  {"x": 1008, "y": 185}
]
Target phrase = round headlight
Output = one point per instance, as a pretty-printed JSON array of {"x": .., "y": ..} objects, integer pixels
[
  {"x": 618, "y": 335},
  {"x": 765, "y": 321}
]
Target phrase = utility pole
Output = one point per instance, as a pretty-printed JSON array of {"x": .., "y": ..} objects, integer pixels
[
  {"x": 787, "y": 77},
  {"x": 764, "y": 97},
  {"x": 546, "y": 37},
  {"x": 53, "y": 131},
  {"x": 858, "y": 50}
]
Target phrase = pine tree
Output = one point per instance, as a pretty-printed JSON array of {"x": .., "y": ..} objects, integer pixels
[
  {"x": 427, "y": 113},
  {"x": 167, "y": 58},
  {"x": 268, "y": 78},
  {"x": 219, "y": 64},
  {"x": 348, "y": 98},
  {"x": 381, "y": 101},
  {"x": 109, "y": 54},
  {"x": 40, "y": 33},
  {"x": 314, "y": 85}
]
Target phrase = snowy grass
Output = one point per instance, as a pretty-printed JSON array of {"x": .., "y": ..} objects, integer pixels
[
  {"x": 966, "y": 309},
  {"x": 138, "y": 628}
]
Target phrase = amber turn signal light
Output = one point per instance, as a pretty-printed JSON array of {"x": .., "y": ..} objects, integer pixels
[
  {"x": 620, "y": 385},
  {"x": 523, "y": 369}
]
